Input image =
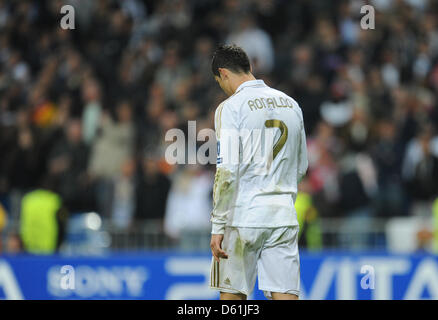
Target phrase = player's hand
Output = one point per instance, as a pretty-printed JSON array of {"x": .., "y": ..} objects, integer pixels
[{"x": 216, "y": 247}]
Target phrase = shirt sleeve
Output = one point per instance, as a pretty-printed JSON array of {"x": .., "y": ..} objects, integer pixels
[
  {"x": 227, "y": 164},
  {"x": 302, "y": 154}
]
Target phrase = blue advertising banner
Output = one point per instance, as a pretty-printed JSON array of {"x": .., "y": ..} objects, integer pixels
[{"x": 166, "y": 275}]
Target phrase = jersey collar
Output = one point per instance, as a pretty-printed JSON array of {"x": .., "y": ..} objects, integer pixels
[{"x": 251, "y": 83}]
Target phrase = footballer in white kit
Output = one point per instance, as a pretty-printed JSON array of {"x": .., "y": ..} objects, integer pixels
[{"x": 261, "y": 157}]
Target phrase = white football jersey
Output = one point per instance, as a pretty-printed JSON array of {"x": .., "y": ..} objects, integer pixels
[{"x": 262, "y": 155}]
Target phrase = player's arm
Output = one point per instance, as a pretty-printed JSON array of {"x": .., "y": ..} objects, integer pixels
[{"x": 225, "y": 184}]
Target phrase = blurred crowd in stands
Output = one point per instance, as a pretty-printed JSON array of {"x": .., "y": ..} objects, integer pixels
[{"x": 84, "y": 112}]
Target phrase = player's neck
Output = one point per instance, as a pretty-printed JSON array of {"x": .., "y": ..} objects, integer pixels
[{"x": 241, "y": 79}]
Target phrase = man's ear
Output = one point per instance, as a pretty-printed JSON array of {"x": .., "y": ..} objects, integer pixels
[{"x": 223, "y": 72}]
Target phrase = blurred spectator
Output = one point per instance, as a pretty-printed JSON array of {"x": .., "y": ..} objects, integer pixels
[
  {"x": 21, "y": 161},
  {"x": 152, "y": 190},
  {"x": 357, "y": 186},
  {"x": 3, "y": 217},
  {"x": 189, "y": 206},
  {"x": 92, "y": 110},
  {"x": 256, "y": 42},
  {"x": 43, "y": 221},
  {"x": 148, "y": 127},
  {"x": 3, "y": 224},
  {"x": 323, "y": 147},
  {"x": 390, "y": 200},
  {"x": 124, "y": 196},
  {"x": 311, "y": 95},
  {"x": 337, "y": 111},
  {"x": 435, "y": 226},
  {"x": 114, "y": 145},
  {"x": 172, "y": 72},
  {"x": 308, "y": 218},
  {"x": 67, "y": 163},
  {"x": 111, "y": 149},
  {"x": 14, "y": 244},
  {"x": 420, "y": 171}
]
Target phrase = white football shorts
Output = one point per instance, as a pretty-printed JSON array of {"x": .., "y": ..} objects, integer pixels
[{"x": 270, "y": 253}]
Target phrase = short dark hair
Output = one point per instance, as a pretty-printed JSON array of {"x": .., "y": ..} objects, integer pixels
[{"x": 231, "y": 57}]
